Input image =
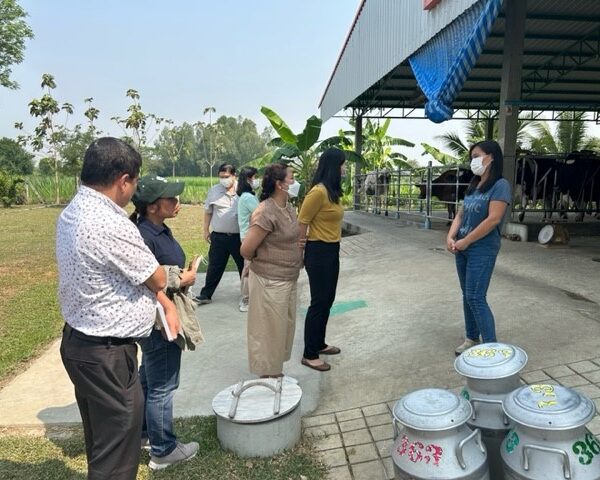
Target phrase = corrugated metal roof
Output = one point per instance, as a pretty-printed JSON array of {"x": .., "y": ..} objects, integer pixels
[
  {"x": 384, "y": 33},
  {"x": 373, "y": 70}
]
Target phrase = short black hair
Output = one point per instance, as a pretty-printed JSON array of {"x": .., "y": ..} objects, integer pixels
[
  {"x": 489, "y": 147},
  {"x": 329, "y": 173},
  {"x": 226, "y": 167},
  {"x": 106, "y": 159},
  {"x": 243, "y": 185}
]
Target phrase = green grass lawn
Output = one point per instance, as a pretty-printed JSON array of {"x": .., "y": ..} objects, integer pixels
[
  {"x": 29, "y": 312},
  {"x": 34, "y": 458},
  {"x": 30, "y": 319}
]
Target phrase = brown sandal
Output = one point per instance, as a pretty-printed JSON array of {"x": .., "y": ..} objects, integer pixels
[
  {"x": 330, "y": 350},
  {"x": 321, "y": 367}
]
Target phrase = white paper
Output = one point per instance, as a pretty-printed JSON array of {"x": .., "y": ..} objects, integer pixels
[{"x": 163, "y": 320}]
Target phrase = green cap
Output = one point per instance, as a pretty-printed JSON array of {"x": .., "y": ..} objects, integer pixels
[{"x": 152, "y": 187}]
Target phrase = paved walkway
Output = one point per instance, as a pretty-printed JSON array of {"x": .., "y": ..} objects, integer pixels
[{"x": 397, "y": 318}]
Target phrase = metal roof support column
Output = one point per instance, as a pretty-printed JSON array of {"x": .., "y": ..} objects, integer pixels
[
  {"x": 358, "y": 141},
  {"x": 514, "y": 39},
  {"x": 489, "y": 128}
]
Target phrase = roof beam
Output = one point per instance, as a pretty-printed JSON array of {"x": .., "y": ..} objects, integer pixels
[
  {"x": 563, "y": 63},
  {"x": 555, "y": 17}
]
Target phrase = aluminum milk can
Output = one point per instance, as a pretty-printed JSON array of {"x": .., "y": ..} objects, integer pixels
[
  {"x": 432, "y": 439},
  {"x": 549, "y": 440},
  {"x": 492, "y": 372}
]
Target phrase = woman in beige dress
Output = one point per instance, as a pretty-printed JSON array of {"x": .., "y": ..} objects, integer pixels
[{"x": 271, "y": 245}]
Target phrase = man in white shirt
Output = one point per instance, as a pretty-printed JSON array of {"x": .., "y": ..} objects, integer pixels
[
  {"x": 109, "y": 283},
  {"x": 221, "y": 230}
]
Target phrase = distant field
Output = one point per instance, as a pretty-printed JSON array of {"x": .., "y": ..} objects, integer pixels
[
  {"x": 41, "y": 189},
  {"x": 29, "y": 311}
]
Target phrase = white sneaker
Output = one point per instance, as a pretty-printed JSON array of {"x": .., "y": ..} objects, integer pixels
[
  {"x": 244, "y": 305},
  {"x": 182, "y": 453},
  {"x": 468, "y": 343}
]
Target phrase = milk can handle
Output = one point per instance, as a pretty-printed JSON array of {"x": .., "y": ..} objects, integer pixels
[
  {"x": 491, "y": 402},
  {"x": 395, "y": 427},
  {"x": 557, "y": 451},
  {"x": 476, "y": 434}
]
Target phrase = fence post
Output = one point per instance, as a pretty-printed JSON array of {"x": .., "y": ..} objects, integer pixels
[
  {"x": 428, "y": 197},
  {"x": 398, "y": 186}
]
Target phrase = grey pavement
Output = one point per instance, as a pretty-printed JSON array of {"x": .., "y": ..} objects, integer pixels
[{"x": 397, "y": 320}]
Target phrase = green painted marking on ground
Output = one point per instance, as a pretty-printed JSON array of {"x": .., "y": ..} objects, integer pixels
[{"x": 343, "y": 307}]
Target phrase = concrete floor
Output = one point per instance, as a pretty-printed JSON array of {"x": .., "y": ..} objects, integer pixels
[{"x": 547, "y": 300}]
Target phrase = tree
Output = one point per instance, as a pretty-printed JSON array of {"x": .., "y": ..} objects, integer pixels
[
  {"x": 77, "y": 140},
  {"x": 50, "y": 134},
  {"x": 569, "y": 135},
  {"x": 240, "y": 140},
  {"x": 299, "y": 151},
  {"x": 138, "y": 124},
  {"x": 174, "y": 145},
  {"x": 13, "y": 33},
  {"x": 14, "y": 159},
  {"x": 210, "y": 137},
  {"x": 11, "y": 189},
  {"x": 476, "y": 131}
]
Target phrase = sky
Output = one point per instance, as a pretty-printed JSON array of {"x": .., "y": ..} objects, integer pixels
[{"x": 183, "y": 55}]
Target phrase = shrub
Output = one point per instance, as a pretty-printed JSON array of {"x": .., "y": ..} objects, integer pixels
[{"x": 11, "y": 189}]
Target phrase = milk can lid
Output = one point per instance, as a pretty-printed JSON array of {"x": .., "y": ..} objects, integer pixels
[
  {"x": 548, "y": 407},
  {"x": 255, "y": 401},
  {"x": 432, "y": 409},
  {"x": 489, "y": 361}
]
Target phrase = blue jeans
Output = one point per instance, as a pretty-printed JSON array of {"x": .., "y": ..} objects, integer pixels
[
  {"x": 159, "y": 374},
  {"x": 474, "y": 274}
]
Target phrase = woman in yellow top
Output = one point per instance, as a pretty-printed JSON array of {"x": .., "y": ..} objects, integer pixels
[{"x": 321, "y": 215}]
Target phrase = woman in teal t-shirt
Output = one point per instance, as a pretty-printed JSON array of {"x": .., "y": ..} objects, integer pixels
[
  {"x": 474, "y": 238},
  {"x": 247, "y": 183}
]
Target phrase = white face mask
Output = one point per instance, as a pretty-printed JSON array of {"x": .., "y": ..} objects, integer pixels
[
  {"x": 294, "y": 189},
  {"x": 226, "y": 182},
  {"x": 255, "y": 183},
  {"x": 477, "y": 166}
]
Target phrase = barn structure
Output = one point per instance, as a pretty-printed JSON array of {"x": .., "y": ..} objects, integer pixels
[{"x": 440, "y": 59}]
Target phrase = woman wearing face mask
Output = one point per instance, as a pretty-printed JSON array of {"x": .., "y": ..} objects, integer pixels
[
  {"x": 474, "y": 238},
  {"x": 271, "y": 245},
  {"x": 221, "y": 229},
  {"x": 247, "y": 183},
  {"x": 321, "y": 214}
]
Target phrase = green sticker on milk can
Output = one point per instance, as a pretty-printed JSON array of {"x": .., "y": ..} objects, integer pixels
[
  {"x": 512, "y": 440},
  {"x": 465, "y": 393}
]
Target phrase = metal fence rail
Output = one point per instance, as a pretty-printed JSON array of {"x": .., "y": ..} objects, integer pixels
[
  {"x": 421, "y": 195},
  {"x": 407, "y": 192}
]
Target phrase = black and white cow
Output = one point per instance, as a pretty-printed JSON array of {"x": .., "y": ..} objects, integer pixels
[
  {"x": 373, "y": 187},
  {"x": 449, "y": 188}
]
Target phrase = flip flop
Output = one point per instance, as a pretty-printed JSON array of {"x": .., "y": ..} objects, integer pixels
[
  {"x": 330, "y": 350},
  {"x": 323, "y": 367}
]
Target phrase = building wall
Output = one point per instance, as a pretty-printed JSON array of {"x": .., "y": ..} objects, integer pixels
[{"x": 386, "y": 33}]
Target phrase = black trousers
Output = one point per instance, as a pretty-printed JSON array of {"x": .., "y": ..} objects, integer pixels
[
  {"x": 221, "y": 246},
  {"x": 111, "y": 403},
  {"x": 322, "y": 263}
]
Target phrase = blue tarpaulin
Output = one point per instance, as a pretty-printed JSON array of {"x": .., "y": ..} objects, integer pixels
[{"x": 442, "y": 65}]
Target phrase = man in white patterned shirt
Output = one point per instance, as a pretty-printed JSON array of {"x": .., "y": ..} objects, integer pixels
[{"x": 109, "y": 283}]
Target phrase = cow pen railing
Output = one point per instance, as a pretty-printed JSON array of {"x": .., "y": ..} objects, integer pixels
[
  {"x": 566, "y": 184},
  {"x": 410, "y": 193},
  {"x": 560, "y": 184}
]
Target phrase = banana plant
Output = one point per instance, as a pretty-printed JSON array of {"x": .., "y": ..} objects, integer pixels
[{"x": 300, "y": 151}]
